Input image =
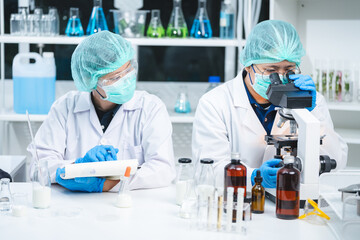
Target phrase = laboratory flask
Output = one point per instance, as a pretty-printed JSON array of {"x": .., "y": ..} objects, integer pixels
[
  {"x": 288, "y": 190},
  {"x": 155, "y": 29},
  {"x": 182, "y": 104},
  {"x": 41, "y": 185},
  {"x": 177, "y": 27},
  {"x": 5, "y": 195},
  {"x": 201, "y": 27},
  {"x": 97, "y": 20},
  {"x": 74, "y": 27},
  {"x": 227, "y": 20},
  {"x": 34, "y": 82},
  {"x": 185, "y": 173}
]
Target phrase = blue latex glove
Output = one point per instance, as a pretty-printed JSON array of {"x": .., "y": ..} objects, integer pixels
[
  {"x": 99, "y": 153},
  {"x": 81, "y": 184},
  {"x": 268, "y": 171},
  {"x": 305, "y": 82}
]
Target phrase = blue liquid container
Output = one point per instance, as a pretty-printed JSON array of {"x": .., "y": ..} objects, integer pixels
[
  {"x": 97, "y": 20},
  {"x": 74, "y": 28},
  {"x": 182, "y": 104},
  {"x": 227, "y": 25},
  {"x": 201, "y": 27},
  {"x": 34, "y": 83}
]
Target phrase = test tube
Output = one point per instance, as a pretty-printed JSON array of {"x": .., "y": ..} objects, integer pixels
[
  {"x": 239, "y": 212},
  {"x": 124, "y": 199},
  {"x": 219, "y": 213},
  {"x": 229, "y": 207}
]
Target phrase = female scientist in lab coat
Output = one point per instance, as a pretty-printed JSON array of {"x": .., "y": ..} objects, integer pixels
[
  {"x": 107, "y": 120},
  {"x": 236, "y": 116}
]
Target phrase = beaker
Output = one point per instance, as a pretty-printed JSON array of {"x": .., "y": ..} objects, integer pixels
[
  {"x": 54, "y": 16},
  {"x": 34, "y": 22},
  {"x": 97, "y": 20},
  {"x": 41, "y": 184},
  {"x": 74, "y": 27},
  {"x": 201, "y": 27},
  {"x": 177, "y": 27},
  {"x": 188, "y": 207},
  {"x": 5, "y": 195},
  {"x": 19, "y": 206},
  {"x": 182, "y": 104},
  {"x": 15, "y": 21},
  {"x": 155, "y": 29}
]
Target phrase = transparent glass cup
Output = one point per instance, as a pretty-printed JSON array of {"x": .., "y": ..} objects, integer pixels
[
  {"x": 15, "y": 24},
  {"x": 20, "y": 204}
]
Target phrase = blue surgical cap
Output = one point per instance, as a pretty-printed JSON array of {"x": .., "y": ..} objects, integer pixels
[
  {"x": 272, "y": 41},
  {"x": 98, "y": 55}
]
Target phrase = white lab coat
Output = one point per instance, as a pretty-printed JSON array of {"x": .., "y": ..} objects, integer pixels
[
  {"x": 140, "y": 129},
  {"x": 225, "y": 122}
]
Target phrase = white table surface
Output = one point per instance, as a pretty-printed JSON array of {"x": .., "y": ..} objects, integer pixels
[
  {"x": 11, "y": 164},
  {"x": 153, "y": 216}
]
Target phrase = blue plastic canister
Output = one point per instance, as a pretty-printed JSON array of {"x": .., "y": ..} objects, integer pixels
[{"x": 34, "y": 82}]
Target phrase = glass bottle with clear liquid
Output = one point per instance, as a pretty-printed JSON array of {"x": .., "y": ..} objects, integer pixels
[
  {"x": 227, "y": 20},
  {"x": 155, "y": 30},
  {"x": 5, "y": 195},
  {"x": 201, "y": 27},
  {"x": 177, "y": 27},
  {"x": 74, "y": 27},
  {"x": 97, "y": 20}
]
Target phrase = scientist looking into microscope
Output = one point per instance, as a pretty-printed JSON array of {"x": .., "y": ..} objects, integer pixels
[
  {"x": 236, "y": 116},
  {"x": 107, "y": 120}
]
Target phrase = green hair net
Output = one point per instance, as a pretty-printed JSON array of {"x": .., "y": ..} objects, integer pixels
[
  {"x": 98, "y": 55},
  {"x": 272, "y": 41}
]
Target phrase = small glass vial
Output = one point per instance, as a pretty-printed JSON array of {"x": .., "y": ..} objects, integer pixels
[
  {"x": 258, "y": 195},
  {"x": 185, "y": 173},
  {"x": 288, "y": 190},
  {"x": 5, "y": 195},
  {"x": 41, "y": 195}
]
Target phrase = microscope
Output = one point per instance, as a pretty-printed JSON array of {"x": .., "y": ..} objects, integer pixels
[{"x": 304, "y": 140}]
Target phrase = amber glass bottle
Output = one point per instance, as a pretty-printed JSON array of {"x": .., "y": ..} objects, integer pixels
[
  {"x": 288, "y": 190},
  {"x": 257, "y": 195},
  {"x": 235, "y": 175}
]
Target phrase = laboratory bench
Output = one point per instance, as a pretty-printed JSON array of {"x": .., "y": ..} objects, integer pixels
[
  {"x": 154, "y": 215},
  {"x": 15, "y": 166}
]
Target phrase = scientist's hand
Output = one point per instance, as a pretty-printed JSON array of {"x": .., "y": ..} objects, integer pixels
[
  {"x": 305, "y": 82},
  {"x": 99, "y": 153},
  {"x": 268, "y": 171},
  {"x": 81, "y": 184}
]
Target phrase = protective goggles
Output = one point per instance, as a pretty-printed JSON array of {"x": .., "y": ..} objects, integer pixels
[{"x": 132, "y": 65}]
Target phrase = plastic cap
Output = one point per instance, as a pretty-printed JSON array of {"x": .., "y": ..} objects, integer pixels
[
  {"x": 48, "y": 55},
  {"x": 289, "y": 159},
  {"x": 24, "y": 3},
  {"x": 184, "y": 160},
  {"x": 127, "y": 172},
  {"x": 258, "y": 177},
  {"x": 214, "y": 79},
  {"x": 207, "y": 161},
  {"x": 235, "y": 156}
]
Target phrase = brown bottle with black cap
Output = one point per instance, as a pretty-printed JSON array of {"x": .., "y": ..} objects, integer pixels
[{"x": 258, "y": 195}]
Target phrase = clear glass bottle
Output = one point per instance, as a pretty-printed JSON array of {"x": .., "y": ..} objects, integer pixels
[
  {"x": 41, "y": 185},
  {"x": 188, "y": 207},
  {"x": 205, "y": 181},
  {"x": 288, "y": 190},
  {"x": 185, "y": 173},
  {"x": 227, "y": 20},
  {"x": 348, "y": 86},
  {"x": 5, "y": 195},
  {"x": 201, "y": 27},
  {"x": 55, "y": 21},
  {"x": 177, "y": 27},
  {"x": 97, "y": 20},
  {"x": 214, "y": 81},
  {"x": 182, "y": 104},
  {"x": 155, "y": 29},
  {"x": 258, "y": 195},
  {"x": 74, "y": 27}
]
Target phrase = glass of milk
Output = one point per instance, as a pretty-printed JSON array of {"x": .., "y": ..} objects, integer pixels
[
  {"x": 20, "y": 204},
  {"x": 41, "y": 183}
]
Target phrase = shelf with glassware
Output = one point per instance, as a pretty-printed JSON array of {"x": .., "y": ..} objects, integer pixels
[{"x": 144, "y": 41}]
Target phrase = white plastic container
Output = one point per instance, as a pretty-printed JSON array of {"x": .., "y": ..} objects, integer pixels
[{"x": 34, "y": 82}]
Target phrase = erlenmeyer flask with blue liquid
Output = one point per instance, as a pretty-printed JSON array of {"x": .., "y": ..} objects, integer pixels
[
  {"x": 74, "y": 27},
  {"x": 182, "y": 104},
  {"x": 201, "y": 27},
  {"x": 97, "y": 20}
]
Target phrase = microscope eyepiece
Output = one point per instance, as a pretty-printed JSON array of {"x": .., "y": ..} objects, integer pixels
[
  {"x": 288, "y": 74},
  {"x": 275, "y": 79}
]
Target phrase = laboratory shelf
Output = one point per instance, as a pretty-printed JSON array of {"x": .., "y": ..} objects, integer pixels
[
  {"x": 351, "y": 136},
  {"x": 190, "y": 42},
  {"x": 344, "y": 106}
]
